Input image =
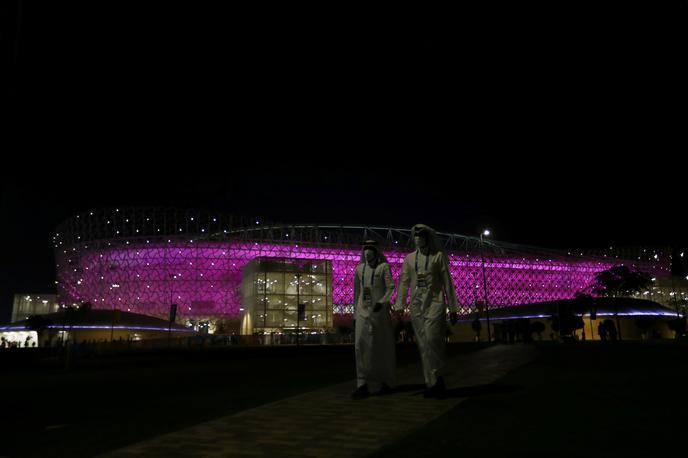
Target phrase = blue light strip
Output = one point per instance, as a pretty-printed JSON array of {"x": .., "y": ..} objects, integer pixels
[
  {"x": 672, "y": 314},
  {"x": 140, "y": 328}
]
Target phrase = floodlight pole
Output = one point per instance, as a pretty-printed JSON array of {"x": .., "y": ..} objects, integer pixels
[
  {"x": 298, "y": 303},
  {"x": 487, "y": 307}
]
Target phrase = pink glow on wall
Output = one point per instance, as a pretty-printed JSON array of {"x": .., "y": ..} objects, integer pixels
[{"x": 204, "y": 278}]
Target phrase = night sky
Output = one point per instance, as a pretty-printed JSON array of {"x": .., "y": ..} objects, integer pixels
[{"x": 553, "y": 127}]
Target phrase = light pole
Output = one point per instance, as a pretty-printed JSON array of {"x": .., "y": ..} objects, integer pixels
[
  {"x": 298, "y": 305},
  {"x": 485, "y": 233}
]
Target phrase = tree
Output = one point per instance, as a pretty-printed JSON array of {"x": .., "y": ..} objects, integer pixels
[
  {"x": 538, "y": 327},
  {"x": 72, "y": 316},
  {"x": 566, "y": 323},
  {"x": 619, "y": 281},
  {"x": 476, "y": 326},
  {"x": 37, "y": 323},
  {"x": 678, "y": 325},
  {"x": 610, "y": 327},
  {"x": 644, "y": 324},
  {"x": 583, "y": 303}
]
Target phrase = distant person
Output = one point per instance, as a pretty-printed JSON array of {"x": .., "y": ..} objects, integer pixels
[
  {"x": 426, "y": 273},
  {"x": 602, "y": 332},
  {"x": 374, "y": 333},
  {"x": 583, "y": 335},
  {"x": 611, "y": 329}
]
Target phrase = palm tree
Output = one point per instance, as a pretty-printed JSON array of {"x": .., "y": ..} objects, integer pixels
[
  {"x": 620, "y": 281},
  {"x": 72, "y": 316},
  {"x": 476, "y": 326},
  {"x": 37, "y": 323},
  {"x": 678, "y": 325},
  {"x": 538, "y": 327},
  {"x": 644, "y": 324}
]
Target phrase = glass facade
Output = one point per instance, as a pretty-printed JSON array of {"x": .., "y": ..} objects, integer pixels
[
  {"x": 286, "y": 294},
  {"x": 26, "y": 305}
]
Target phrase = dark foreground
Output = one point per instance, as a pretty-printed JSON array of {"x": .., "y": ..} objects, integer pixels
[
  {"x": 572, "y": 400},
  {"x": 105, "y": 404},
  {"x": 576, "y": 400}
]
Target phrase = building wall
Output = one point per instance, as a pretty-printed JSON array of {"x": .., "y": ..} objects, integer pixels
[
  {"x": 53, "y": 336},
  {"x": 25, "y": 305},
  {"x": 462, "y": 332},
  {"x": 204, "y": 278}
]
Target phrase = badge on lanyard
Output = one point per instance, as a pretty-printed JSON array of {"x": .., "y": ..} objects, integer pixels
[
  {"x": 422, "y": 281},
  {"x": 422, "y": 278},
  {"x": 368, "y": 290},
  {"x": 367, "y": 296}
]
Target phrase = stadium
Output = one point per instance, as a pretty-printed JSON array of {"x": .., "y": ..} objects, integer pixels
[{"x": 142, "y": 260}]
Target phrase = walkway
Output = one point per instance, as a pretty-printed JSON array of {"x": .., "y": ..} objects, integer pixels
[{"x": 327, "y": 423}]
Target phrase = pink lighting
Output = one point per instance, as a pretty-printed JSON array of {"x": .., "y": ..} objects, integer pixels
[
  {"x": 159, "y": 256},
  {"x": 206, "y": 276}
]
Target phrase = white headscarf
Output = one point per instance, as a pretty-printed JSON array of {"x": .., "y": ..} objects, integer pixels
[
  {"x": 380, "y": 255},
  {"x": 433, "y": 243}
]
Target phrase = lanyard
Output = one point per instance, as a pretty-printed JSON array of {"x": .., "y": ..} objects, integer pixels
[
  {"x": 427, "y": 258},
  {"x": 372, "y": 277}
]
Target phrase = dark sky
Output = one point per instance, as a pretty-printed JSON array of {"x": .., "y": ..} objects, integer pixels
[{"x": 556, "y": 126}]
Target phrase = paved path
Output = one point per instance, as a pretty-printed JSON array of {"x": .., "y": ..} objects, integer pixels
[{"x": 327, "y": 423}]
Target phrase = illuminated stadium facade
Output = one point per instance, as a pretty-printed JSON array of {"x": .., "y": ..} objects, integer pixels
[{"x": 144, "y": 259}]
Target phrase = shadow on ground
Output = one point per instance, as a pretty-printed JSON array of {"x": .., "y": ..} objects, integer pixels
[{"x": 463, "y": 391}]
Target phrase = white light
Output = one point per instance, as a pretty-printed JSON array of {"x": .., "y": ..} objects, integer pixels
[{"x": 486, "y": 232}]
